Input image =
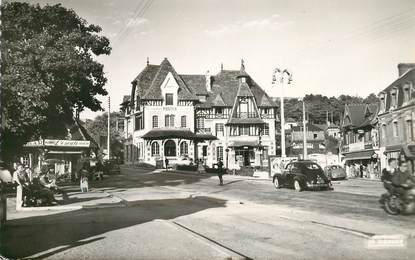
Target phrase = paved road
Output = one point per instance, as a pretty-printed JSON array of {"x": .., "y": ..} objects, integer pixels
[{"x": 177, "y": 216}]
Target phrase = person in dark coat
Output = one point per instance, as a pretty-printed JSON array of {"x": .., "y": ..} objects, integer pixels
[{"x": 166, "y": 161}]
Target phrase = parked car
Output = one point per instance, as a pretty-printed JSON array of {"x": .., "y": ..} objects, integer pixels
[
  {"x": 334, "y": 172},
  {"x": 111, "y": 167},
  {"x": 184, "y": 160},
  {"x": 302, "y": 175}
]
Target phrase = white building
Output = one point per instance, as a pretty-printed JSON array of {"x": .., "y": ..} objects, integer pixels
[{"x": 173, "y": 116}]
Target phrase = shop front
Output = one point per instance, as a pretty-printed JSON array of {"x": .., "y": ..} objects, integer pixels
[
  {"x": 362, "y": 164},
  {"x": 64, "y": 156}
]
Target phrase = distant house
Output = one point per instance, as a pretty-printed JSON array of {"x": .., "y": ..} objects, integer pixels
[
  {"x": 360, "y": 147},
  {"x": 333, "y": 130},
  {"x": 397, "y": 116},
  {"x": 315, "y": 139}
]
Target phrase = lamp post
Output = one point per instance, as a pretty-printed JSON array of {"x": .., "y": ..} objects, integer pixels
[
  {"x": 304, "y": 131},
  {"x": 283, "y": 77},
  {"x": 227, "y": 157}
]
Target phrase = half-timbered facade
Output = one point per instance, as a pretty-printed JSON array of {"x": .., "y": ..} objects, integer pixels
[{"x": 178, "y": 116}]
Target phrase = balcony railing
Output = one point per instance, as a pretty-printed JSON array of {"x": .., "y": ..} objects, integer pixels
[
  {"x": 203, "y": 130},
  {"x": 217, "y": 116},
  {"x": 247, "y": 115}
]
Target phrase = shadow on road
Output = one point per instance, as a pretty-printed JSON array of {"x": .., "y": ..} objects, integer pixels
[{"x": 32, "y": 236}]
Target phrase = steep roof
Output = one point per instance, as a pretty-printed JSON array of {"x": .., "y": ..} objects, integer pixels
[
  {"x": 148, "y": 82},
  {"x": 218, "y": 101},
  {"x": 226, "y": 84},
  {"x": 310, "y": 128},
  {"x": 360, "y": 114},
  {"x": 197, "y": 82}
]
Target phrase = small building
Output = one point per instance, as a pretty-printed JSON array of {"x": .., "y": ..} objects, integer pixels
[
  {"x": 397, "y": 116},
  {"x": 315, "y": 140},
  {"x": 360, "y": 148},
  {"x": 63, "y": 152}
]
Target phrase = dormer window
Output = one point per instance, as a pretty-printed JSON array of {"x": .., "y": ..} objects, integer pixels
[
  {"x": 219, "y": 110},
  {"x": 394, "y": 98},
  {"x": 382, "y": 98},
  {"x": 406, "y": 92}
]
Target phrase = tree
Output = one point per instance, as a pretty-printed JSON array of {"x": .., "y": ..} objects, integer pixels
[
  {"x": 48, "y": 71},
  {"x": 98, "y": 129}
]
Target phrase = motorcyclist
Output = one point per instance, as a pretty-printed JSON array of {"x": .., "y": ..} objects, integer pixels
[{"x": 403, "y": 181}]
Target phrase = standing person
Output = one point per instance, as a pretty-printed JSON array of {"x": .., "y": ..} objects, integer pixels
[
  {"x": 166, "y": 161},
  {"x": 220, "y": 171}
]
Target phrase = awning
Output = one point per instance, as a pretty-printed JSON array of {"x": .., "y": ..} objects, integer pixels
[
  {"x": 393, "y": 148},
  {"x": 244, "y": 143},
  {"x": 203, "y": 137},
  {"x": 182, "y": 133},
  {"x": 250, "y": 121},
  {"x": 168, "y": 133},
  {"x": 359, "y": 155}
]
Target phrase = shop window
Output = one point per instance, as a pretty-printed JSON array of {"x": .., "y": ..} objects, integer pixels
[
  {"x": 183, "y": 122},
  {"x": 184, "y": 148},
  {"x": 155, "y": 121},
  {"x": 155, "y": 149},
  {"x": 219, "y": 153},
  {"x": 169, "y": 99}
]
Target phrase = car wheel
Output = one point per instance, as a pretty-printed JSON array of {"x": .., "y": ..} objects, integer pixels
[
  {"x": 297, "y": 186},
  {"x": 276, "y": 183}
]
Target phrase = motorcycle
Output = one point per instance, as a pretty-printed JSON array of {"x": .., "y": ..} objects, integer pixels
[{"x": 397, "y": 201}]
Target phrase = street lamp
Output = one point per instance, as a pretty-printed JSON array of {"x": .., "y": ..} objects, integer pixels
[
  {"x": 304, "y": 131},
  {"x": 227, "y": 157},
  {"x": 282, "y": 76}
]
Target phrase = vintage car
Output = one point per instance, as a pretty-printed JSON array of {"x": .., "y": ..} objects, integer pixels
[
  {"x": 334, "y": 172},
  {"x": 302, "y": 175}
]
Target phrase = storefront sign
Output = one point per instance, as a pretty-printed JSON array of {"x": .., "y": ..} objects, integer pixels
[
  {"x": 34, "y": 143},
  {"x": 66, "y": 143}
]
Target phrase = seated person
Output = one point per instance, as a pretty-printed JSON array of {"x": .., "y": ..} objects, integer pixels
[{"x": 47, "y": 182}]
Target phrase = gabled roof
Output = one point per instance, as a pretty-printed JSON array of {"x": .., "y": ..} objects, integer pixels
[
  {"x": 148, "y": 82},
  {"x": 265, "y": 101},
  {"x": 226, "y": 84},
  {"x": 218, "y": 101},
  {"x": 244, "y": 91},
  {"x": 360, "y": 114}
]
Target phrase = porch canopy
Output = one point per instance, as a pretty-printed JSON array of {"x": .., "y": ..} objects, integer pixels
[
  {"x": 181, "y": 133},
  {"x": 359, "y": 155},
  {"x": 244, "y": 143}
]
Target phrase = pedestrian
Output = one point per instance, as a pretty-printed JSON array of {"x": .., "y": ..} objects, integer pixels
[
  {"x": 166, "y": 161},
  {"x": 220, "y": 171}
]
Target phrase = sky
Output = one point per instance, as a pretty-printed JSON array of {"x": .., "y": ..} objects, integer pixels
[{"x": 332, "y": 47}]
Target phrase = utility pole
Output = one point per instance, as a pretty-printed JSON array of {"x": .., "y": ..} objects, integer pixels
[
  {"x": 283, "y": 76},
  {"x": 304, "y": 133},
  {"x": 108, "y": 128}
]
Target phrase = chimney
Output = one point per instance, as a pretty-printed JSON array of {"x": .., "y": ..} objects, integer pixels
[
  {"x": 208, "y": 82},
  {"x": 404, "y": 67}
]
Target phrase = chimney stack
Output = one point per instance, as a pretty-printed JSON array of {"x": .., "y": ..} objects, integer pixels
[
  {"x": 404, "y": 67},
  {"x": 208, "y": 82}
]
